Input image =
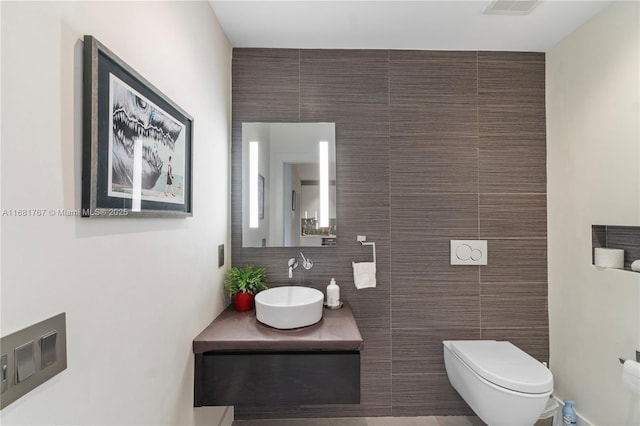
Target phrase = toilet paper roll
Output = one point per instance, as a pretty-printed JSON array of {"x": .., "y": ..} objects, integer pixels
[
  {"x": 631, "y": 376},
  {"x": 609, "y": 258},
  {"x": 635, "y": 266}
]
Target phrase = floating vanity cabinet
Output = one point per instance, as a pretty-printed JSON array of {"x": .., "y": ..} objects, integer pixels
[
  {"x": 277, "y": 378},
  {"x": 241, "y": 362}
]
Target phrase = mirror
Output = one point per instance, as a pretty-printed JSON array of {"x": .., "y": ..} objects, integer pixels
[{"x": 288, "y": 184}]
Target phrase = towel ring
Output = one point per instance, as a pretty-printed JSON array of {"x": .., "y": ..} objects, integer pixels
[{"x": 362, "y": 240}]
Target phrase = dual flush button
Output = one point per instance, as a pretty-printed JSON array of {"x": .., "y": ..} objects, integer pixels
[{"x": 468, "y": 252}]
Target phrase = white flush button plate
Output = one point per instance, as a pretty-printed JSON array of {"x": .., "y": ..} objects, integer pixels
[{"x": 468, "y": 252}]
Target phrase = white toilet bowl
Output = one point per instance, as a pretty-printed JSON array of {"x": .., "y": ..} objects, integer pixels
[{"x": 502, "y": 384}]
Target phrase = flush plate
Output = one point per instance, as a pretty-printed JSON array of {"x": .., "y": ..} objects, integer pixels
[{"x": 468, "y": 252}]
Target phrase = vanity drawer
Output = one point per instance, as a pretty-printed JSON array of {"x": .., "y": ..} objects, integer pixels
[{"x": 277, "y": 378}]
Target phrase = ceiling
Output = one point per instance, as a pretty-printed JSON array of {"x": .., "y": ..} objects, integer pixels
[{"x": 423, "y": 25}]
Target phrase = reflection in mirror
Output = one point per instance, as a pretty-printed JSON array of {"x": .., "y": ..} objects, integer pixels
[{"x": 288, "y": 184}]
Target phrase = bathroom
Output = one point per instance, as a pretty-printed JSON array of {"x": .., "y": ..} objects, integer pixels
[{"x": 527, "y": 150}]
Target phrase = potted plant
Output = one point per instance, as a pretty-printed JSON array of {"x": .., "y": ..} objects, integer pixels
[{"x": 243, "y": 284}]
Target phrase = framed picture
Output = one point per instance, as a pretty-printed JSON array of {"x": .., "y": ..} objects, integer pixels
[
  {"x": 136, "y": 158},
  {"x": 260, "y": 197}
]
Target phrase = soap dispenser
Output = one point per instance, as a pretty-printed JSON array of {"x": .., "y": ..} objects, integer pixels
[{"x": 333, "y": 294}]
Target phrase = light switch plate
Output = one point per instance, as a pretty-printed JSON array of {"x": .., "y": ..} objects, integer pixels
[
  {"x": 468, "y": 252},
  {"x": 220, "y": 255},
  {"x": 4, "y": 372},
  {"x": 29, "y": 362},
  {"x": 25, "y": 362},
  {"x": 48, "y": 349}
]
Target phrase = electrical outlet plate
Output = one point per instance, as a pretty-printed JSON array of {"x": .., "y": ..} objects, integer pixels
[{"x": 468, "y": 252}]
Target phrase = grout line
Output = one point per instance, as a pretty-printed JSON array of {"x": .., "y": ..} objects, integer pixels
[
  {"x": 299, "y": 84},
  {"x": 478, "y": 183},
  {"x": 478, "y": 142},
  {"x": 390, "y": 233},
  {"x": 514, "y": 238},
  {"x": 537, "y": 327},
  {"x": 514, "y": 193},
  {"x": 420, "y": 374},
  {"x": 477, "y": 193}
]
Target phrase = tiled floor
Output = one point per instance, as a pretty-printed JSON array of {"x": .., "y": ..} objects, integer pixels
[{"x": 368, "y": 421}]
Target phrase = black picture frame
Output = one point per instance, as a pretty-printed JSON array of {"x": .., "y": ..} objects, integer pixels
[{"x": 137, "y": 143}]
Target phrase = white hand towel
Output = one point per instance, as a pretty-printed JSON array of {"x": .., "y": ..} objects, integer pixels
[{"x": 364, "y": 274}]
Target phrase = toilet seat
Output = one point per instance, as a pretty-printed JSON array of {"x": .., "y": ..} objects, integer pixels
[{"x": 504, "y": 365}]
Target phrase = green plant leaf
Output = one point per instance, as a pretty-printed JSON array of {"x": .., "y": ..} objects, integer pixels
[{"x": 249, "y": 279}]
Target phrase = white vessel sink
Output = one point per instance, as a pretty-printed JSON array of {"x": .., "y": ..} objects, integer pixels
[{"x": 289, "y": 307}]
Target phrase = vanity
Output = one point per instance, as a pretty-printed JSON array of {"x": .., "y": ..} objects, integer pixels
[
  {"x": 288, "y": 199},
  {"x": 242, "y": 362}
]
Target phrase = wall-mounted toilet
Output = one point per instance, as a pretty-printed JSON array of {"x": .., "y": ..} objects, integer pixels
[{"x": 502, "y": 384}]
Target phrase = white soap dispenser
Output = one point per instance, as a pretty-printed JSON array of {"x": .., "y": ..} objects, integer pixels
[{"x": 333, "y": 294}]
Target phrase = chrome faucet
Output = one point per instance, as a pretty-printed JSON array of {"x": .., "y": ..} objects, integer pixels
[
  {"x": 306, "y": 263},
  {"x": 293, "y": 264}
]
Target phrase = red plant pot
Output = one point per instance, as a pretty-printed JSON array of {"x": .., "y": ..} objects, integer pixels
[{"x": 243, "y": 301}]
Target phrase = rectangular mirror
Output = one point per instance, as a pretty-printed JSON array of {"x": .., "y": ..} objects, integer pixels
[{"x": 288, "y": 184}]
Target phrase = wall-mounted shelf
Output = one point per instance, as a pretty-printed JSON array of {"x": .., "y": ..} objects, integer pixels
[{"x": 620, "y": 237}]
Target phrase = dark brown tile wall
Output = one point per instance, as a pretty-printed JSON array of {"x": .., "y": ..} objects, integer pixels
[{"x": 431, "y": 146}]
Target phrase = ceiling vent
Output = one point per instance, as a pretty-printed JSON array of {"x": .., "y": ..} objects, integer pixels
[{"x": 511, "y": 7}]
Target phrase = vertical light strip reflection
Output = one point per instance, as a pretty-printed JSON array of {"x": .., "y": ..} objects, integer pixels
[
  {"x": 253, "y": 184},
  {"x": 324, "y": 184},
  {"x": 136, "y": 193}
]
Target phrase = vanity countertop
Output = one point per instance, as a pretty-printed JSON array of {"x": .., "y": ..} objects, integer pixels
[{"x": 232, "y": 330}]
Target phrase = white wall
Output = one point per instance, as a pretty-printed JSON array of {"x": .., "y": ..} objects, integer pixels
[
  {"x": 136, "y": 291},
  {"x": 593, "y": 146}
]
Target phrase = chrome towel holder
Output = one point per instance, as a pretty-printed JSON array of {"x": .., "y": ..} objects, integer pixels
[{"x": 362, "y": 240}]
